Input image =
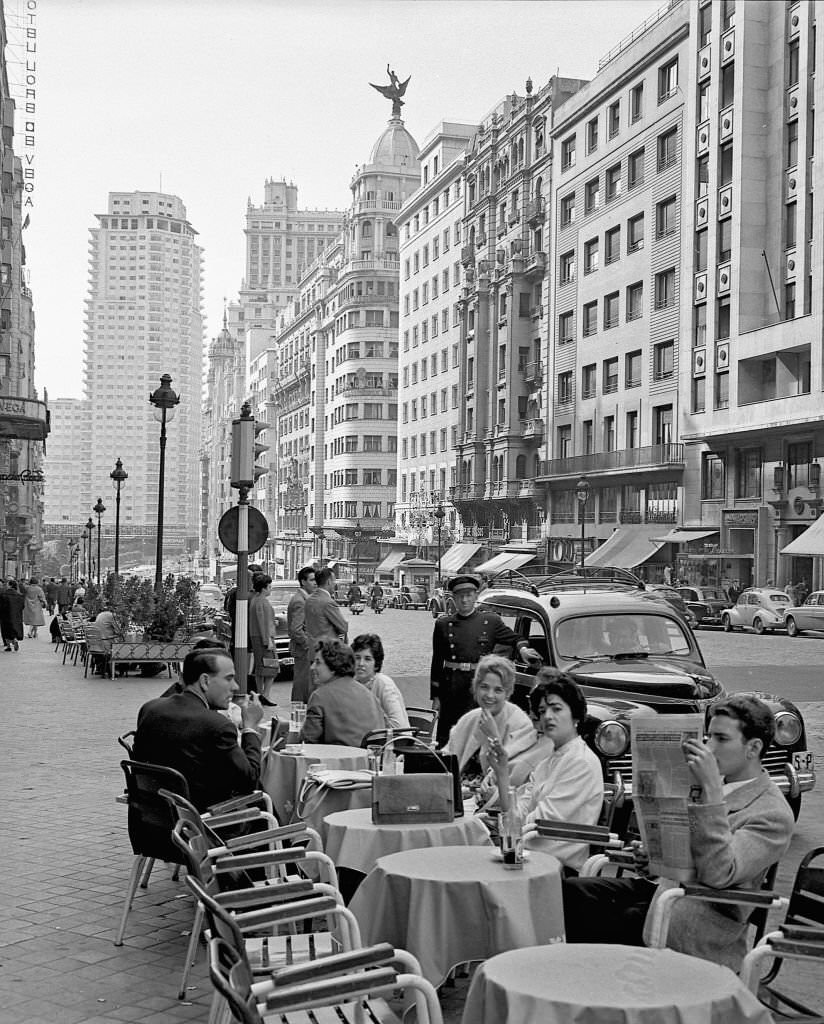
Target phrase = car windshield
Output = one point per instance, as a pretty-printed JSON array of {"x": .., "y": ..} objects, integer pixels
[
  {"x": 281, "y": 593},
  {"x": 609, "y": 636},
  {"x": 778, "y": 598},
  {"x": 712, "y": 595}
]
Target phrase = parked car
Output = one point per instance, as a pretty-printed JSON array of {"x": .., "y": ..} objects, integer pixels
[
  {"x": 279, "y": 597},
  {"x": 762, "y": 609},
  {"x": 411, "y": 597},
  {"x": 664, "y": 592},
  {"x": 210, "y": 596},
  {"x": 629, "y": 652},
  {"x": 705, "y": 603},
  {"x": 809, "y": 615},
  {"x": 441, "y": 602}
]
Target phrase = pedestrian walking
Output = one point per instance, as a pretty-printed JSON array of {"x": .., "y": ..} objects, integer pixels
[
  {"x": 50, "y": 588},
  {"x": 324, "y": 619},
  {"x": 300, "y": 645},
  {"x": 65, "y": 595},
  {"x": 11, "y": 616},
  {"x": 35, "y": 602}
]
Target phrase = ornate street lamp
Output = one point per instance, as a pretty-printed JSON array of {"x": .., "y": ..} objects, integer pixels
[
  {"x": 439, "y": 514},
  {"x": 119, "y": 477},
  {"x": 90, "y": 529},
  {"x": 164, "y": 400},
  {"x": 73, "y": 545},
  {"x": 582, "y": 490},
  {"x": 357, "y": 533},
  {"x": 98, "y": 510}
]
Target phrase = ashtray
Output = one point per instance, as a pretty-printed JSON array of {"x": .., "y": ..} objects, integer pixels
[{"x": 293, "y": 748}]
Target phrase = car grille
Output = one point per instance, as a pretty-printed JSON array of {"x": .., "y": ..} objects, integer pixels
[{"x": 774, "y": 761}]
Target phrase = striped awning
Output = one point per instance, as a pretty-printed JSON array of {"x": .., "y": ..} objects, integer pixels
[
  {"x": 392, "y": 559},
  {"x": 504, "y": 561},
  {"x": 457, "y": 557}
]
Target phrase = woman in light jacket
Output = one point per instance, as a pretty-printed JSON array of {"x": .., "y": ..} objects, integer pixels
[
  {"x": 263, "y": 633},
  {"x": 35, "y": 599}
]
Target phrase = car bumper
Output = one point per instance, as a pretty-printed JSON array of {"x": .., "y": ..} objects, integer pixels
[{"x": 791, "y": 781}]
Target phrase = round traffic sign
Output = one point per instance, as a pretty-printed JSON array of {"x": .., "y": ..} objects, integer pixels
[{"x": 258, "y": 529}]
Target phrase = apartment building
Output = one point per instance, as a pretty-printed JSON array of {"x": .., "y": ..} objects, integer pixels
[
  {"x": 67, "y": 477},
  {"x": 620, "y": 216},
  {"x": 430, "y": 226}
]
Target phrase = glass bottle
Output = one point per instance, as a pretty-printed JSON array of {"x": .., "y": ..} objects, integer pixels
[
  {"x": 512, "y": 842},
  {"x": 388, "y": 763}
]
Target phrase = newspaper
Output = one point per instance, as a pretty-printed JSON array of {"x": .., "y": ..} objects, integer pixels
[{"x": 661, "y": 788}]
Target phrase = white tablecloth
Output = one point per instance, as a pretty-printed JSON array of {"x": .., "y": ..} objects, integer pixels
[
  {"x": 284, "y": 773},
  {"x": 598, "y": 984},
  {"x": 352, "y": 841},
  {"x": 453, "y": 904}
]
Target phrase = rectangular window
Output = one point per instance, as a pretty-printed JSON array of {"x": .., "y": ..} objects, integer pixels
[
  {"x": 713, "y": 474},
  {"x": 592, "y": 135},
  {"x": 591, "y": 256},
  {"x": 663, "y": 363},
  {"x": 632, "y": 369},
  {"x": 748, "y": 473},
  {"x": 635, "y": 300},
  {"x": 588, "y": 437},
  {"x": 665, "y": 289},
  {"x": 792, "y": 144},
  {"x": 612, "y": 182},
  {"x": 636, "y": 102},
  {"x": 632, "y": 429},
  {"x": 635, "y": 169},
  {"x": 724, "y": 240},
  {"x": 792, "y": 64},
  {"x": 702, "y": 175},
  {"x": 667, "y": 148},
  {"x": 699, "y": 394},
  {"x": 662, "y": 424},
  {"x": 701, "y": 250},
  {"x": 727, "y": 85},
  {"x": 725, "y": 164},
  {"x": 610, "y": 375},
  {"x": 613, "y": 119},
  {"x": 568, "y": 153},
  {"x": 568, "y": 209},
  {"x": 704, "y": 24},
  {"x": 609, "y": 434},
  {"x": 790, "y": 226},
  {"x": 565, "y": 387},
  {"x": 565, "y": 328},
  {"x": 590, "y": 319},
  {"x": 667, "y": 79},
  {"x": 699, "y": 333},
  {"x": 592, "y": 195},
  {"x": 589, "y": 382},
  {"x": 789, "y": 301},
  {"x": 567, "y": 267},
  {"x": 665, "y": 213},
  {"x": 703, "y": 102},
  {"x": 722, "y": 319},
  {"x": 610, "y": 310},
  {"x": 635, "y": 233},
  {"x": 564, "y": 442},
  {"x": 612, "y": 245},
  {"x": 722, "y": 390}
]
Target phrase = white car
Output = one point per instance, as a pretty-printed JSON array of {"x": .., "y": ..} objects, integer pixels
[
  {"x": 762, "y": 609},
  {"x": 809, "y": 615},
  {"x": 210, "y": 596}
]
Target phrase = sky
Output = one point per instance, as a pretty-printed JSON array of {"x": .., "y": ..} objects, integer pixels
[{"x": 212, "y": 97}]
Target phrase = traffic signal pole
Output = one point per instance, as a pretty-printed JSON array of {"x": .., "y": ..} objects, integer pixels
[{"x": 242, "y": 479}]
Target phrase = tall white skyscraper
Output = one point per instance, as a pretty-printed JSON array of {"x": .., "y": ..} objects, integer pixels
[{"x": 144, "y": 319}]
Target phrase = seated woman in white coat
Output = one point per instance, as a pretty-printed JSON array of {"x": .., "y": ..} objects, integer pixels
[
  {"x": 495, "y": 719},
  {"x": 569, "y": 783}
]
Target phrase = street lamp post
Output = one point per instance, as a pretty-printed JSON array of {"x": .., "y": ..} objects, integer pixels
[
  {"x": 119, "y": 477},
  {"x": 83, "y": 560},
  {"x": 582, "y": 490},
  {"x": 164, "y": 400},
  {"x": 90, "y": 529},
  {"x": 98, "y": 510},
  {"x": 439, "y": 514},
  {"x": 72, "y": 554},
  {"x": 357, "y": 533}
]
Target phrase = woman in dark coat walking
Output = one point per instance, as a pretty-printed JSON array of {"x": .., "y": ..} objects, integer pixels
[{"x": 11, "y": 615}]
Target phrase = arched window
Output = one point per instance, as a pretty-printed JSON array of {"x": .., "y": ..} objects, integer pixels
[
  {"x": 520, "y": 150},
  {"x": 520, "y": 467},
  {"x": 536, "y": 471},
  {"x": 366, "y": 229},
  {"x": 539, "y": 185}
]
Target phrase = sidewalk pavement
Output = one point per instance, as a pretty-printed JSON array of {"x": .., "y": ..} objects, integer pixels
[{"x": 67, "y": 858}]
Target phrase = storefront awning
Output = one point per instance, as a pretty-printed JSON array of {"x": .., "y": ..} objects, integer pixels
[
  {"x": 681, "y": 535},
  {"x": 457, "y": 557},
  {"x": 505, "y": 561},
  {"x": 811, "y": 541},
  {"x": 627, "y": 547},
  {"x": 392, "y": 559}
]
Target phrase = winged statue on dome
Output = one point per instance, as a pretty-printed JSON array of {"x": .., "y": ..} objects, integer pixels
[{"x": 394, "y": 91}]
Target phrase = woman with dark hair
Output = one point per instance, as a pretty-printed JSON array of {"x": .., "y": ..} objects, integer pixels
[
  {"x": 11, "y": 615},
  {"x": 262, "y": 633},
  {"x": 569, "y": 783},
  {"x": 368, "y": 651},
  {"x": 340, "y": 710}
]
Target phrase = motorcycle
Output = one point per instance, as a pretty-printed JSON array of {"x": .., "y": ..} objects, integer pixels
[
  {"x": 356, "y": 607},
  {"x": 378, "y": 604}
]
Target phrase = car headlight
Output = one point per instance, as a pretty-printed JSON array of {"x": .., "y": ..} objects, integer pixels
[
  {"x": 787, "y": 728},
  {"x": 611, "y": 739}
]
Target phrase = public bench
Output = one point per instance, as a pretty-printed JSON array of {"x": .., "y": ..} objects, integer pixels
[{"x": 146, "y": 652}]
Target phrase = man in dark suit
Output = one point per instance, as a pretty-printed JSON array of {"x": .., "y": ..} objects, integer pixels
[
  {"x": 300, "y": 646},
  {"x": 324, "y": 619},
  {"x": 184, "y": 731}
]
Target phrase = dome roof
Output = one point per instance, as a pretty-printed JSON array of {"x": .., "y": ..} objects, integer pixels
[{"x": 395, "y": 147}]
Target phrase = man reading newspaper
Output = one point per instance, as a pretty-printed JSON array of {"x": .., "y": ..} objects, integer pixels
[{"x": 739, "y": 824}]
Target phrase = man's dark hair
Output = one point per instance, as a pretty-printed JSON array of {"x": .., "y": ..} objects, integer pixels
[
  {"x": 370, "y": 642},
  {"x": 306, "y": 572},
  {"x": 563, "y": 686},
  {"x": 200, "y": 660},
  {"x": 261, "y": 582},
  {"x": 755, "y": 718},
  {"x": 338, "y": 656},
  {"x": 322, "y": 577}
]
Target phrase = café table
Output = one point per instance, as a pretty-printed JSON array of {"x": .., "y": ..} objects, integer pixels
[
  {"x": 285, "y": 770},
  {"x": 603, "y": 984},
  {"x": 450, "y": 905},
  {"x": 353, "y": 842}
]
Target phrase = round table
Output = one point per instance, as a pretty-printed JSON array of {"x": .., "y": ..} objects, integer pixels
[
  {"x": 600, "y": 984},
  {"x": 450, "y": 905},
  {"x": 352, "y": 841},
  {"x": 284, "y": 773}
]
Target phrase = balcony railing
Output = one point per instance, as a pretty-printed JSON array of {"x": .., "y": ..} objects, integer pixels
[
  {"x": 467, "y": 254},
  {"x": 535, "y": 262},
  {"x": 535, "y": 211},
  {"x": 533, "y": 371},
  {"x": 504, "y": 489},
  {"x": 466, "y": 492},
  {"x": 655, "y": 456},
  {"x": 532, "y": 428}
]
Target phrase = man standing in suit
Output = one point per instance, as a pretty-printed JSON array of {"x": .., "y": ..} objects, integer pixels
[
  {"x": 185, "y": 731},
  {"x": 299, "y": 643},
  {"x": 324, "y": 619}
]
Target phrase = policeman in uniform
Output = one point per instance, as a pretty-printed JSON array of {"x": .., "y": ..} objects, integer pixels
[{"x": 459, "y": 641}]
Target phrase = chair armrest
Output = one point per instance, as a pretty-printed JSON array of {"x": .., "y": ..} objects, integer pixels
[
  {"x": 339, "y": 963},
  {"x": 230, "y": 818},
  {"x": 322, "y": 992},
  {"x": 595, "y": 835},
  {"x": 662, "y": 907},
  {"x": 265, "y": 895},
  {"x": 802, "y": 931},
  {"x": 256, "y": 799},
  {"x": 775, "y": 945},
  {"x": 265, "y": 858},
  {"x": 272, "y": 835},
  {"x": 294, "y": 911}
]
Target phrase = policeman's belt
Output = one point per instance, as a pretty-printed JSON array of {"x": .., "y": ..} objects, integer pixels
[{"x": 461, "y": 666}]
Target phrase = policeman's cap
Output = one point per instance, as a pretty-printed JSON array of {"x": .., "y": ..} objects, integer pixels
[{"x": 463, "y": 581}]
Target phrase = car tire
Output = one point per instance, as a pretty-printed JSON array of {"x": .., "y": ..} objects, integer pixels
[
  {"x": 434, "y": 610},
  {"x": 792, "y": 628},
  {"x": 758, "y": 626},
  {"x": 726, "y": 624}
]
